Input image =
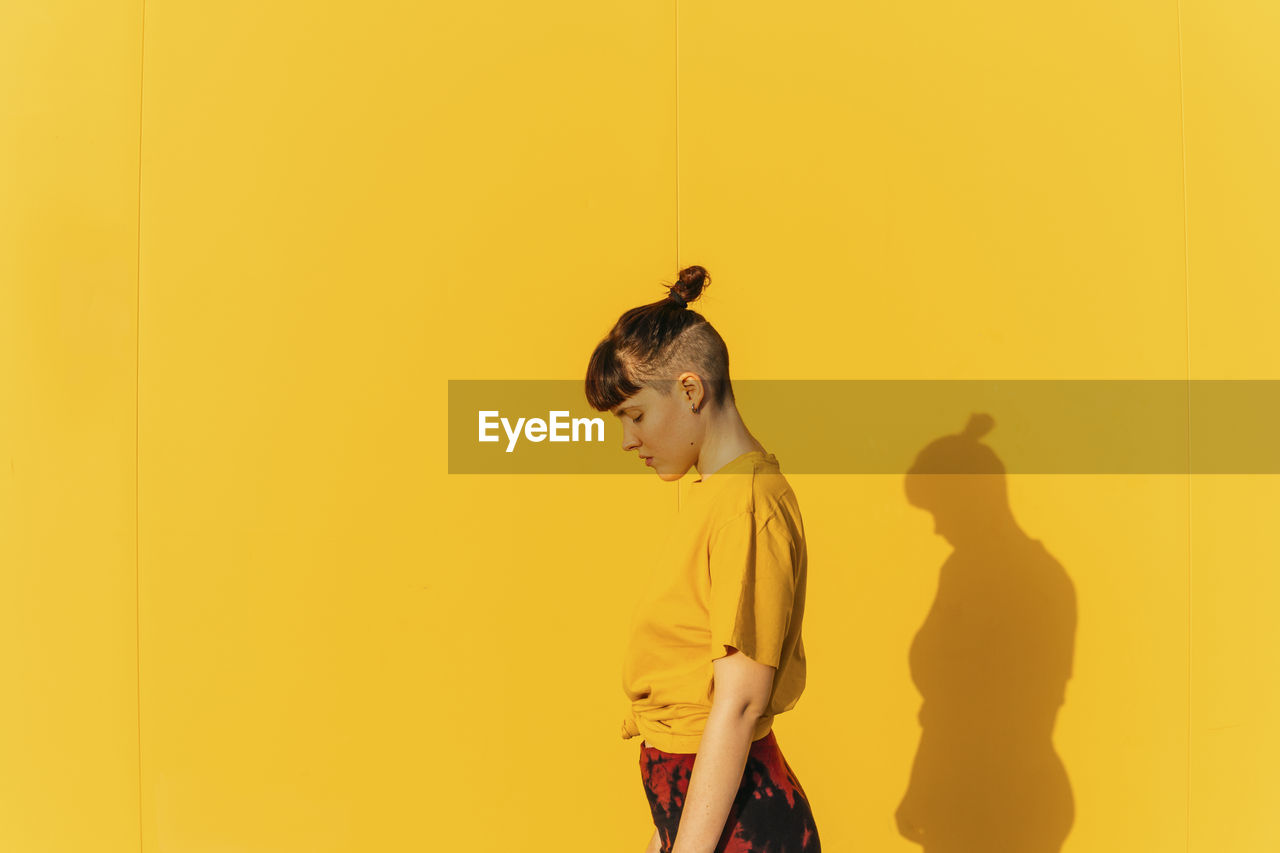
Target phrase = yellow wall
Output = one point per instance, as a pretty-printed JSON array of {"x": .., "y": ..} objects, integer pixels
[
  {"x": 248, "y": 608},
  {"x": 69, "y": 760},
  {"x": 1232, "y": 80}
]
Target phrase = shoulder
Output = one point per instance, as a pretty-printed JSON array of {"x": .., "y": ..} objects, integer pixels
[{"x": 762, "y": 496}]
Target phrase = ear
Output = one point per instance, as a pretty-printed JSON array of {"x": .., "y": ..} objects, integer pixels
[{"x": 692, "y": 389}]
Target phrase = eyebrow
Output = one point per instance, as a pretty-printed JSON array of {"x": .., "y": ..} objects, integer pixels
[{"x": 617, "y": 413}]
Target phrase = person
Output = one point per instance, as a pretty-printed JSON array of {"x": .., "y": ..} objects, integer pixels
[{"x": 715, "y": 650}]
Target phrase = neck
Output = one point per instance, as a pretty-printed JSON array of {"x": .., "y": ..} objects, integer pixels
[{"x": 726, "y": 438}]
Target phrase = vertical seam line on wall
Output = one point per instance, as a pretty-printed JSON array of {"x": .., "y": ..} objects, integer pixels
[
  {"x": 676, "y": 35},
  {"x": 1186, "y": 279},
  {"x": 137, "y": 426}
]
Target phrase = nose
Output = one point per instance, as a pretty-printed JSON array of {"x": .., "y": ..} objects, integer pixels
[{"x": 629, "y": 439}]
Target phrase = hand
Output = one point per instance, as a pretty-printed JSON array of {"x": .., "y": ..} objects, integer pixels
[{"x": 655, "y": 844}]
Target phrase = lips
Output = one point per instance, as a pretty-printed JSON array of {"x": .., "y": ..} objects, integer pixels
[{"x": 648, "y": 460}]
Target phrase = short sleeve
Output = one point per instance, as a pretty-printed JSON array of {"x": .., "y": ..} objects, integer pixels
[{"x": 753, "y": 582}]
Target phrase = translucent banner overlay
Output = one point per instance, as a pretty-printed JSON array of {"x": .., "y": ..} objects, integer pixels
[{"x": 850, "y": 426}]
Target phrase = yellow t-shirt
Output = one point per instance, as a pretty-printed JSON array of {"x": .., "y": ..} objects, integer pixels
[{"x": 731, "y": 573}]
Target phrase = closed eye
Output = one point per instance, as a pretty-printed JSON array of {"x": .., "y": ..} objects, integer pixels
[{"x": 636, "y": 419}]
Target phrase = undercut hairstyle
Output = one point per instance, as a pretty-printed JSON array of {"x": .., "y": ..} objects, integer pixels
[{"x": 653, "y": 344}]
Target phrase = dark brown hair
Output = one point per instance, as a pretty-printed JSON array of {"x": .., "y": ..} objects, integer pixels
[{"x": 652, "y": 344}]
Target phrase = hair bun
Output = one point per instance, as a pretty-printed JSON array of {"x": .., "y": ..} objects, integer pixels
[
  {"x": 691, "y": 283},
  {"x": 979, "y": 425}
]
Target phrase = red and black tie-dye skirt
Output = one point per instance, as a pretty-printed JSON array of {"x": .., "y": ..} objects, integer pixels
[{"x": 770, "y": 813}]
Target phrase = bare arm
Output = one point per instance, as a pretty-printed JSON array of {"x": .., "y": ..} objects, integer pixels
[{"x": 742, "y": 690}]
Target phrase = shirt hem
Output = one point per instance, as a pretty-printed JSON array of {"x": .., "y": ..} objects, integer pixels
[{"x": 685, "y": 744}]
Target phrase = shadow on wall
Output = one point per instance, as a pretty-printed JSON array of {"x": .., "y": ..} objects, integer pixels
[{"x": 991, "y": 662}]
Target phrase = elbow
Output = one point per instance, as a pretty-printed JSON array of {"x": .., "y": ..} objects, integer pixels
[
  {"x": 747, "y": 709},
  {"x": 752, "y": 708}
]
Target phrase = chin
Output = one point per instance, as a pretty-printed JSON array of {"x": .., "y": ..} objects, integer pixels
[{"x": 668, "y": 477}]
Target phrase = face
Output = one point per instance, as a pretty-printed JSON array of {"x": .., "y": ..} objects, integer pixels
[{"x": 663, "y": 428}]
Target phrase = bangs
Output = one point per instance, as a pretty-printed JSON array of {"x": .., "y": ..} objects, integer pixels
[{"x": 608, "y": 382}]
